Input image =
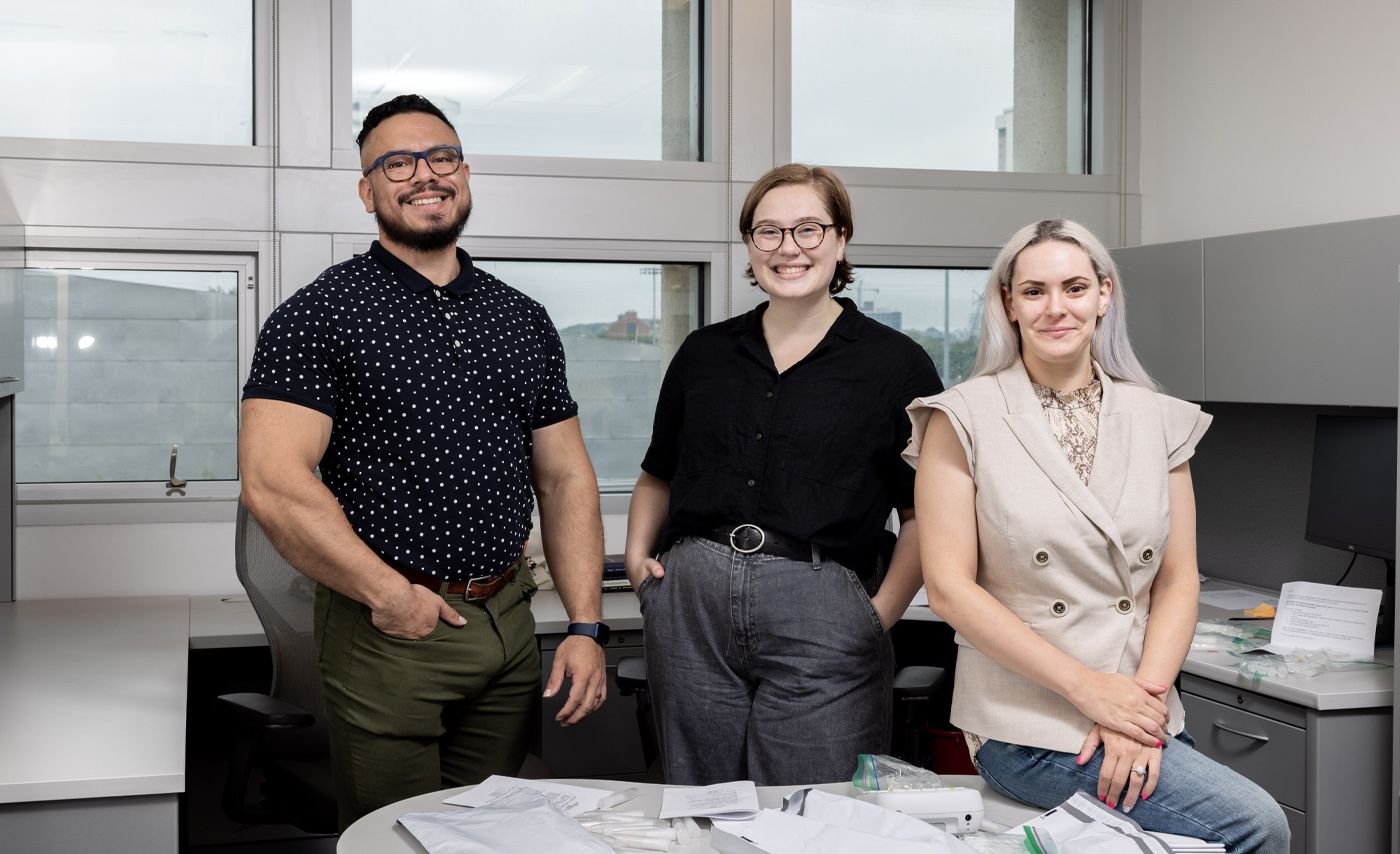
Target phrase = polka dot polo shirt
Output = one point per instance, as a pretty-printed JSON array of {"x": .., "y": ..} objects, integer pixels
[{"x": 434, "y": 392}]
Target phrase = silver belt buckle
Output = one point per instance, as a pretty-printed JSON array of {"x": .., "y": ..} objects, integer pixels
[
  {"x": 474, "y": 580},
  {"x": 762, "y": 538}
]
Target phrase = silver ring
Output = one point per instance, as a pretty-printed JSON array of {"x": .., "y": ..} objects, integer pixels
[
  {"x": 1140, "y": 770},
  {"x": 762, "y": 538}
]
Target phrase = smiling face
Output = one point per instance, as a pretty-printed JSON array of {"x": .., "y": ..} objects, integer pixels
[
  {"x": 427, "y": 212},
  {"x": 1055, "y": 300},
  {"x": 791, "y": 272}
]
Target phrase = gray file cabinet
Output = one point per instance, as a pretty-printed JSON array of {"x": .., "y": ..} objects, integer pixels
[{"x": 1328, "y": 768}]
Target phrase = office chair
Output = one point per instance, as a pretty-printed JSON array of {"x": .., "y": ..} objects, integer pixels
[{"x": 281, "y": 734}]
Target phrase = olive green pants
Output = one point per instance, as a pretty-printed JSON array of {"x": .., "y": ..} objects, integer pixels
[{"x": 408, "y": 717}]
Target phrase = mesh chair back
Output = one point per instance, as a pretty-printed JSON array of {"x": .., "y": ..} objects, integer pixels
[{"x": 284, "y": 601}]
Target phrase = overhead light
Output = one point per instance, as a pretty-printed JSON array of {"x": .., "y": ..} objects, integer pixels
[
  {"x": 86, "y": 341},
  {"x": 46, "y": 342}
]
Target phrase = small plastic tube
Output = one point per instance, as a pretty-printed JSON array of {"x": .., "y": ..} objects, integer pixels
[
  {"x": 620, "y": 797},
  {"x": 643, "y": 842}
]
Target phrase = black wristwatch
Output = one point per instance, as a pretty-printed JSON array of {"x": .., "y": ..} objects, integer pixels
[{"x": 597, "y": 631}]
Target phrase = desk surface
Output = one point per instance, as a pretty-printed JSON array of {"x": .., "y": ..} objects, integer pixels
[
  {"x": 1369, "y": 687},
  {"x": 93, "y": 697},
  {"x": 229, "y": 621},
  {"x": 380, "y": 833}
]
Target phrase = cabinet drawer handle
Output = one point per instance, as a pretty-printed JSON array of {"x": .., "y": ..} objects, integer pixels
[
  {"x": 9, "y": 379},
  {"x": 1260, "y": 738}
]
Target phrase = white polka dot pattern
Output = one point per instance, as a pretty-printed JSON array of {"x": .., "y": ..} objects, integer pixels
[{"x": 434, "y": 392}]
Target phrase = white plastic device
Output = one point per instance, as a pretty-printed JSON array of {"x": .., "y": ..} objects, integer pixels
[{"x": 955, "y": 809}]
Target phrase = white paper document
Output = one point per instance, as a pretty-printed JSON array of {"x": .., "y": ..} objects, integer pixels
[
  {"x": 1340, "y": 620},
  {"x": 571, "y": 800},
  {"x": 1235, "y": 599},
  {"x": 734, "y": 801}
]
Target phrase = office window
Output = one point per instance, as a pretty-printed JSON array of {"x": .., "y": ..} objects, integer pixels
[
  {"x": 124, "y": 360},
  {"x": 621, "y": 324},
  {"x": 941, "y": 308},
  {"x": 563, "y": 78},
  {"x": 144, "y": 71},
  {"x": 986, "y": 85}
]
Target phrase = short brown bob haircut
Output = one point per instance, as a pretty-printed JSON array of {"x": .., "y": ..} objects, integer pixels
[{"x": 828, "y": 188}]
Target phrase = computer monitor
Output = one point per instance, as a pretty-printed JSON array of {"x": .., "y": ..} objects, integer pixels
[{"x": 1351, "y": 500}]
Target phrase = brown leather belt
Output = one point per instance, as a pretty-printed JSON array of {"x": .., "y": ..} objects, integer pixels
[{"x": 478, "y": 587}]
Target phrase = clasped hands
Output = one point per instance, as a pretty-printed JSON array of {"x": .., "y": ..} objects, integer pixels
[{"x": 1130, "y": 720}]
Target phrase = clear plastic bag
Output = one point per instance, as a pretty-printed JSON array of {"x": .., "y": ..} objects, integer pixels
[{"x": 880, "y": 773}]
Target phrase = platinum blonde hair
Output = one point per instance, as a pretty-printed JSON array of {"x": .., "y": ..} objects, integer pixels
[{"x": 1000, "y": 344}]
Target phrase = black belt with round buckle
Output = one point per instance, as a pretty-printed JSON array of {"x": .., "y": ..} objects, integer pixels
[{"x": 750, "y": 539}]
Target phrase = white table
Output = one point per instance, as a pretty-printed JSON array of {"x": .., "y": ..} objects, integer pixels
[
  {"x": 380, "y": 833},
  {"x": 92, "y": 723}
]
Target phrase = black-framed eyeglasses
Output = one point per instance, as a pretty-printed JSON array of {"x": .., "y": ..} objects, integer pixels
[
  {"x": 400, "y": 165},
  {"x": 807, "y": 235}
]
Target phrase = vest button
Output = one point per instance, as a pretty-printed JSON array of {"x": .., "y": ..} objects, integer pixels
[
  {"x": 1147, "y": 554},
  {"x": 1059, "y": 609},
  {"x": 1041, "y": 557},
  {"x": 1125, "y": 605}
]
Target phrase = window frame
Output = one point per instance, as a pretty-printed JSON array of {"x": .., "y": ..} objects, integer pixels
[
  {"x": 713, "y": 130},
  {"x": 1103, "y": 131},
  {"x": 123, "y": 502},
  {"x": 259, "y": 153}
]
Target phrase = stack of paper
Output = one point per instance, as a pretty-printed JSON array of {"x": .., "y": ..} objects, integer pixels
[
  {"x": 733, "y": 801},
  {"x": 570, "y": 800}
]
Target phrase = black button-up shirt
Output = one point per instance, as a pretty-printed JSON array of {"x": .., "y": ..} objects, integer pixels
[
  {"x": 434, "y": 392},
  {"x": 812, "y": 453}
]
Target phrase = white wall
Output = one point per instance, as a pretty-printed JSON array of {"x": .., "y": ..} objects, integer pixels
[{"x": 1262, "y": 114}]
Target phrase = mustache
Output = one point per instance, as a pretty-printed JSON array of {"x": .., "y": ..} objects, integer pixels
[{"x": 431, "y": 185}]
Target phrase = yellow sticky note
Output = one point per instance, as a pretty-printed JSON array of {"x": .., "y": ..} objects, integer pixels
[{"x": 1263, "y": 609}]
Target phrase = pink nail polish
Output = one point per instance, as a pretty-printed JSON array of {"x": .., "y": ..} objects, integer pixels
[
  {"x": 1112, "y": 805},
  {"x": 1100, "y": 797},
  {"x": 1159, "y": 744},
  {"x": 1144, "y": 797}
]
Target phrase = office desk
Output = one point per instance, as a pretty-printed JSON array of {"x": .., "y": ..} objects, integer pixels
[
  {"x": 1320, "y": 746},
  {"x": 380, "y": 833},
  {"x": 92, "y": 723}
]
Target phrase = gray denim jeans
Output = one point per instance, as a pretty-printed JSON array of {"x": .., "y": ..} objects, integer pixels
[{"x": 763, "y": 668}]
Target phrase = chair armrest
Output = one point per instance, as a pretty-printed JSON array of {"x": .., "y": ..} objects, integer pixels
[{"x": 265, "y": 711}]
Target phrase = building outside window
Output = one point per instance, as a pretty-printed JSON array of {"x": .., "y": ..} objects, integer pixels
[
  {"x": 123, "y": 362},
  {"x": 941, "y": 308},
  {"x": 620, "y": 324},
  {"x": 981, "y": 85}
]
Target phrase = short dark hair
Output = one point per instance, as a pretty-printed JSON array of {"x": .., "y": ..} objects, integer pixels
[
  {"x": 395, "y": 106},
  {"x": 828, "y": 188}
]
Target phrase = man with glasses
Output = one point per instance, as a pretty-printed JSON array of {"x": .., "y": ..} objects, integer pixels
[{"x": 432, "y": 396}]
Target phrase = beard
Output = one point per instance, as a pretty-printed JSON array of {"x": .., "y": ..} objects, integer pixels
[{"x": 440, "y": 235}]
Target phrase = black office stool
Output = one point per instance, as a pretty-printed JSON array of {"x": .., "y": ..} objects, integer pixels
[{"x": 914, "y": 686}]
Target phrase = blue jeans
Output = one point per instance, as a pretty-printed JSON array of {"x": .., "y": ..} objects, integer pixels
[
  {"x": 1195, "y": 795},
  {"x": 762, "y": 668}
]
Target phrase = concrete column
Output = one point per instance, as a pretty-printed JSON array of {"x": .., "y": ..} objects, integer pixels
[
  {"x": 678, "y": 108},
  {"x": 1039, "y": 86}
]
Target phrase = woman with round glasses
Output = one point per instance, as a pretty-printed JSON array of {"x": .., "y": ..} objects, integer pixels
[
  {"x": 756, "y": 538},
  {"x": 1058, "y": 530}
]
